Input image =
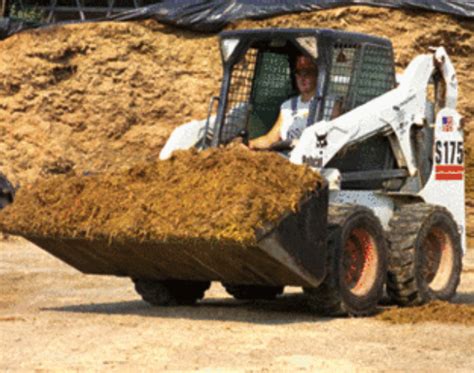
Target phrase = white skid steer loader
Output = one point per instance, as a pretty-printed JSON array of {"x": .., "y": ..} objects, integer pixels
[
  {"x": 390, "y": 213},
  {"x": 393, "y": 159}
]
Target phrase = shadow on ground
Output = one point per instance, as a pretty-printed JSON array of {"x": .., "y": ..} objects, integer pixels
[
  {"x": 286, "y": 309},
  {"x": 290, "y": 308}
]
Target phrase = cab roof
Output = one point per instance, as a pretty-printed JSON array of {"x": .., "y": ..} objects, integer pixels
[{"x": 327, "y": 34}]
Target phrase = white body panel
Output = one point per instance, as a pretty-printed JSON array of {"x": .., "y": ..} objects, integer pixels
[
  {"x": 184, "y": 137},
  {"x": 445, "y": 186}
]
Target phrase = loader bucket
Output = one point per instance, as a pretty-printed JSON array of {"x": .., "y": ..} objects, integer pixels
[{"x": 291, "y": 251}]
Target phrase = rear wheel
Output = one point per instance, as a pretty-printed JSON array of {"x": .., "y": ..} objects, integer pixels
[
  {"x": 425, "y": 255},
  {"x": 356, "y": 264},
  {"x": 252, "y": 292},
  {"x": 171, "y": 292}
]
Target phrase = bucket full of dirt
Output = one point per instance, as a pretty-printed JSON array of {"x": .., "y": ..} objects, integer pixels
[{"x": 226, "y": 214}]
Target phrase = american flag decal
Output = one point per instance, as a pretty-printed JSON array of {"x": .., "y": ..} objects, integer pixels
[
  {"x": 448, "y": 124},
  {"x": 449, "y": 172}
]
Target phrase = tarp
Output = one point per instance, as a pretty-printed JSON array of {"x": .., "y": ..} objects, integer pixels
[
  {"x": 213, "y": 15},
  {"x": 10, "y": 26}
]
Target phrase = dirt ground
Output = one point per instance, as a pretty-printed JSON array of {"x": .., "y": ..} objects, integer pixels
[{"x": 54, "y": 318}]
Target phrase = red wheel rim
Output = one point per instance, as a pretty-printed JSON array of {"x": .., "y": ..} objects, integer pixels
[
  {"x": 437, "y": 258},
  {"x": 360, "y": 261}
]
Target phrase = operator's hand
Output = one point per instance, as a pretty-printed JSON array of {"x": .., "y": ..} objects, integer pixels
[
  {"x": 238, "y": 142},
  {"x": 258, "y": 145}
]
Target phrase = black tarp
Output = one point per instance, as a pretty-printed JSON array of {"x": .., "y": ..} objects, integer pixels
[
  {"x": 213, "y": 15},
  {"x": 10, "y": 26}
]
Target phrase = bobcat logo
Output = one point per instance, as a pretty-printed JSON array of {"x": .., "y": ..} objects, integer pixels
[{"x": 321, "y": 140}]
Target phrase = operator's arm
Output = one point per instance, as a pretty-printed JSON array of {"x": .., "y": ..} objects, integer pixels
[
  {"x": 264, "y": 142},
  {"x": 337, "y": 108}
]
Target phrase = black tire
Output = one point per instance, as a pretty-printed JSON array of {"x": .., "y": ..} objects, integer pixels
[
  {"x": 253, "y": 292},
  {"x": 356, "y": 264},
  {"x": 171, "y": 292},
  {"x": 425, "y": 256}
]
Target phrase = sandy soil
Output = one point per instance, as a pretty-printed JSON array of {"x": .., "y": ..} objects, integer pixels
[
  {"x": 54, "y": 318},
  {"x": 98, "y": 96}
]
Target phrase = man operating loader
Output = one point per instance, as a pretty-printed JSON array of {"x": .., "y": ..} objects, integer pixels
[
  {"x": 293, "y": 117},
  {"x": 294, "y": 113}
]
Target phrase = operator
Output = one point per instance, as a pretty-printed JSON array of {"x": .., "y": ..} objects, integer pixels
[{"x": 293, "y": 117}]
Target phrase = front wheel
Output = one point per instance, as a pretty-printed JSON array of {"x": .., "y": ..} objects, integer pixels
[
  {"x": 253, "y": 292},
  {"x": 356, "y": 264},
  {"x": 171, "y": 292}
]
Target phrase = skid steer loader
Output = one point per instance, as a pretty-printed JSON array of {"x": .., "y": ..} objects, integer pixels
[
  {"x": 390, "y": 214},
  {"x": 393, "y": 158}
]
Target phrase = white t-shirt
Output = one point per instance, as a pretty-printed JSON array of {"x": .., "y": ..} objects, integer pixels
[{"x": 294, "y": 122}]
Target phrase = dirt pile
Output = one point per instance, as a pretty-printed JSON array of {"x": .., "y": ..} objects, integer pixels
[
  {"x": 102, "y": 95},
  {"x": 96, "y": 97},
  {"x": 438, "y": 311},
  {"x": 218, "y": 194}
]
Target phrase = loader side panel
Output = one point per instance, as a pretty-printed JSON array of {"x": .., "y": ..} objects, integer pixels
[{"x": 446, "y": 185}]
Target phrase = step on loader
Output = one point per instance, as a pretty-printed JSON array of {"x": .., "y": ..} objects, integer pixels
[{"x": 391, "y": 210}]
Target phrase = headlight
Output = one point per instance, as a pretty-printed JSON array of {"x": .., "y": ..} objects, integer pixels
[
  {"x": 228, "y": 47},
  {"x": 310, "y": 44}
]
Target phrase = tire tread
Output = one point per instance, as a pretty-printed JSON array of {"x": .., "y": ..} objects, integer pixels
[{"x": 403, "y": 287}]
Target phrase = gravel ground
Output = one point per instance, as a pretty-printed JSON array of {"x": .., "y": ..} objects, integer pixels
[{"x": 54, "y": 318}]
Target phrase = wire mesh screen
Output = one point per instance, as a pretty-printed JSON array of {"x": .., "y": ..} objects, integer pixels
[
  {"x": 272, "y": 86},
  {"x": 341, "y": 71},
  {"x": 238, "y": 97},
  {"x": 358, "y": 74},
  {"x": 374, "y": 77}
]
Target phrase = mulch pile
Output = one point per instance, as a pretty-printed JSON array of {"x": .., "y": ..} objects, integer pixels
[
  {"x": 105, "y": 96},
  {"x": 217, "y": 194},
  {"x": 99, "y": 96},
  {"x": 438, "y": 311}
]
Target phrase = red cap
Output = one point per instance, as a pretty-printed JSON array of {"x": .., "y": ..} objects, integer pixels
[{"x": 305, "y": 63}]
